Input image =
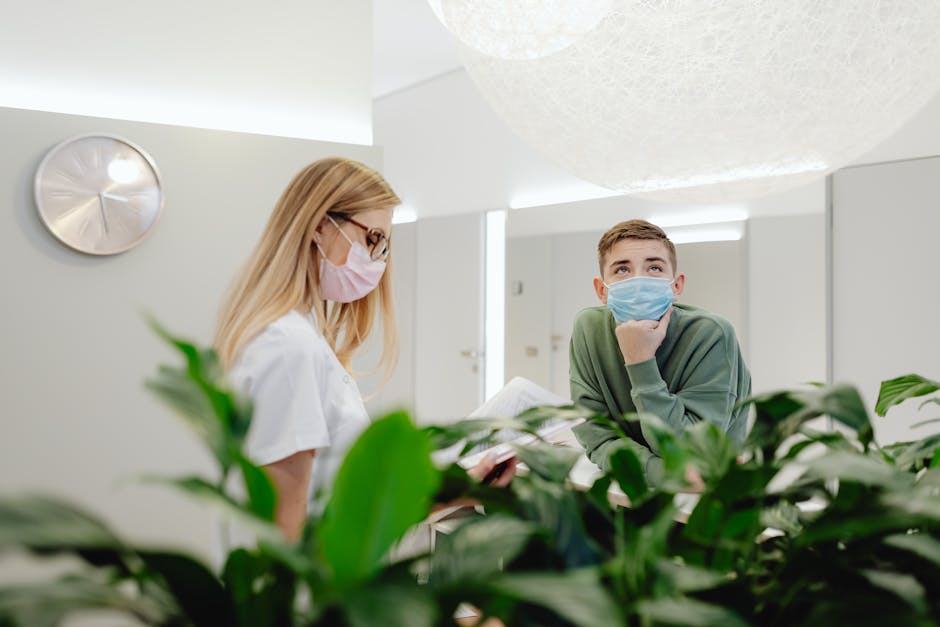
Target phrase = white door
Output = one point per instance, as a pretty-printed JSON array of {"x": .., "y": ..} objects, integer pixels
[
  {"x": 573, "y": 268},
  {"x": 448, "y": 325},
  {"x": 528, "y": 309}
]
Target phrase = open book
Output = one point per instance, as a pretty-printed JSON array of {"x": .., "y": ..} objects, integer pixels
[{"x": 514, "y": 398}]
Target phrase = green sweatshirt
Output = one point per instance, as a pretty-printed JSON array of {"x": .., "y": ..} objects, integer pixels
[{"x": 698, "y": 374}]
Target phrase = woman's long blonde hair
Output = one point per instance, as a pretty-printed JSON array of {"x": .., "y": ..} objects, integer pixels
[{"x": 282, "y": 273}]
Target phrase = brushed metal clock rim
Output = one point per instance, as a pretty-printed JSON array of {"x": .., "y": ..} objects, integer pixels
[{"x": 37, "y": 179}]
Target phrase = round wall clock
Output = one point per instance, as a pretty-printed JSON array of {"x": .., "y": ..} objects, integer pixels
[{"x": 98, "y": 194}]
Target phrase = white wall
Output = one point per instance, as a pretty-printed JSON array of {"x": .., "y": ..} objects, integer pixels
[
  {"x": 297, "y": 68},
  {"x": 399, "y": 391},
  {"x": 885, "y": 296},
  {"x": 786, "y": 300},
  {"x": 446, "y": 152},
  {"x": 74, "y": 348},
  {"x": 918, "y": 137}
]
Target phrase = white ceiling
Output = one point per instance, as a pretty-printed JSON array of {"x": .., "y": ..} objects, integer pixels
[
  {"x": 298, "y": 68},
  {"x": 409, "y": 46}
]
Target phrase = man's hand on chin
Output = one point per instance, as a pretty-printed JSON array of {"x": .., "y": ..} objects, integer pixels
[{"x": 640, "y": 339}]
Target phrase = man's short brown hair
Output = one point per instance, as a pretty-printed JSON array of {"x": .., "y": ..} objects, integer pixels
[{"x": 633, "y": 229}]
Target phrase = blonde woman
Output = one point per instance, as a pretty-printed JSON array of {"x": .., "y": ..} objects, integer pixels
[{"x": 308, "y": 297}]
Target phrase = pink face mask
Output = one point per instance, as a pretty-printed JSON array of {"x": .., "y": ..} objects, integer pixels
[{"x": 352, "y": 280}]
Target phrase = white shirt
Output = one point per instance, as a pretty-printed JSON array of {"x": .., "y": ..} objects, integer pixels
[{"x": 303, "y": 398}]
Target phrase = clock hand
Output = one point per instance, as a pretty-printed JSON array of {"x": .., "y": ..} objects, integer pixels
[
  {"x": 104, "y": 216},
  {"x": 111, "y": 196}
]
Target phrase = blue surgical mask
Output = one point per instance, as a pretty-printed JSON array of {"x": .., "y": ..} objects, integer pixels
[{"x": 640, "y": 298}]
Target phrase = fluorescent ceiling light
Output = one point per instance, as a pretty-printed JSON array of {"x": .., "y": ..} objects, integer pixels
[
  {"x": 404, "y": 214},
  {"x": 288, "y": 119},
  {"x": 587, "y": 191},
  {"x": 559, "y": 196},
  {"x": 723, "y": 232},
  {"x": 703, "y": 215},
  {"x": 755, "y": 171}
]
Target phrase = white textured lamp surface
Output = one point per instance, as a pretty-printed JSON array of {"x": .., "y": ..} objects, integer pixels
[
  {"x": 520, "y": 29},
  {"x": 706, "y": 101}
]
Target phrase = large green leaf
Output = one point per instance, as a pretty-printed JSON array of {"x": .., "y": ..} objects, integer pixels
[
  {"x": 835, "y": 440},
  {"x": 857, "y": 468},
  {"x": 915, "y": 455},
  {"x": 902, "y": 585},
  {"x": 261, "y": 590},
  {"x": 675, "y": 577},
  {"x": 557, "y": 509},
  {"x": 664, "y": 442},
  {"x": 897, "y": 390},
  {"x": 687, "y": 612},
  {"x": 197, "y": 591},
  {"x": 920, "y": 544},
  {"x": 390, "y": 604},
  {"x": 50, "y": 525},
  {"x": 384, "y": 486},
  {"x": 782, "y": 516},
  {"x": 859, "y": 511},
  {"x": 476, "y": 549},
  {"x": 625, "y": 468},
  {"x": 548, "y": 461},
  {"x": 783, "y": 414},
  {"x": 844, "y": 404},
  {"x": 921, "y": 503},
  {"x": 201, "y": 394},
  {"x": 176, "y": 388},
  {"x": 710, "y": 449},
  {"x": 771, "y": 410},
  {"x": 577, "y": 595},
  {"x": 45, "y": 522},
  {"x": 476, "y": 431},
  {"x": 642, "y": 535},
  {"x": 48, "y": 604},
  {"x": 727, "y": 519},
  {"x": 262, "y": 497}
]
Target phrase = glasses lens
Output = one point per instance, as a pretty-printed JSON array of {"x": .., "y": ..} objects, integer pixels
[{"x": 378, "y": 245}]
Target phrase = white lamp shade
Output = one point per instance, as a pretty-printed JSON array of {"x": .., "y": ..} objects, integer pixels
[{"x": 715, "y": 101}]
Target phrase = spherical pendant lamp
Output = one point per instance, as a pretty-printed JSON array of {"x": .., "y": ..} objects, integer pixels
[
  {"x": 520, "y": 29},
  {"x": 710, "y": 100}
]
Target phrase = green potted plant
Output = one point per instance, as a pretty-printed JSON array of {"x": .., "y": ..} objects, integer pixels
[{"x": 546, "y": 552}]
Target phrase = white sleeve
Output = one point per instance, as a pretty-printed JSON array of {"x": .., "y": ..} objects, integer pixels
[{"x": 288, "y": 400}]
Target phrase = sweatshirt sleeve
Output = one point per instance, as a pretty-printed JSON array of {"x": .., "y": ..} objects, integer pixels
[
  {"x": 598, "y": 439},
  {"x": 707, "y": 391}
]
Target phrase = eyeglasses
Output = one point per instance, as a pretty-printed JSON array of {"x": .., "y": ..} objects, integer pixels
[{"x": 376, "y": 239}]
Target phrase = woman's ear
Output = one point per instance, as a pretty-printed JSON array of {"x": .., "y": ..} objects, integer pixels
[{"x": 318, "y": 232}]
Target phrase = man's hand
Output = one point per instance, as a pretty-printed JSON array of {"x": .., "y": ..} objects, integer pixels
[{"x": 640, "y": 339}]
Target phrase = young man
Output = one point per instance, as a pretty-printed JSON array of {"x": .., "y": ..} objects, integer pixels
[{"x": 642, "y": 352}]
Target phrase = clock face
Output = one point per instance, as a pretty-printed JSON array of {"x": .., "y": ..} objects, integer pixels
[{"x": 98, "y": 194}]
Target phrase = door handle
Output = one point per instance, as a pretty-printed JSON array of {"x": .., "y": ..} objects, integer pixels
[{"x": 471, "y": 354}]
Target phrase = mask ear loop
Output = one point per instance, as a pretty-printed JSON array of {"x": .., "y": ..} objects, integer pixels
[
  {"x": 341, "y": 231},
  {"x": 316, "y": 238}
]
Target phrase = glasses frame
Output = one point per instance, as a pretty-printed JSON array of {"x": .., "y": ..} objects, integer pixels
[{"x": 371, "y": 232}]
